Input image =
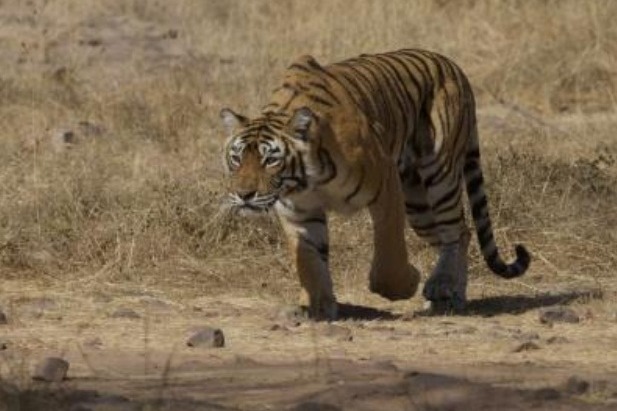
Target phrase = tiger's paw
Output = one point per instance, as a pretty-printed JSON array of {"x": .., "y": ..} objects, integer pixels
[
  {"x": 443, "y": 297},
  {"x": 324, "y": 310},
  {"x": 399, "y": 286}
]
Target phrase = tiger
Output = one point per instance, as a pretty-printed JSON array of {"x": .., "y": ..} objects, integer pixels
[{"x": 394, "y": 132}]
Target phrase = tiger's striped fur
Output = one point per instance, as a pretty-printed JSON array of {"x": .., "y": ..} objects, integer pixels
[{"x": 394, "y": 132}]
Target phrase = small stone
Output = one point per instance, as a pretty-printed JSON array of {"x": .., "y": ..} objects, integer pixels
[
  {"x": 526, "y": 346},
  {"x": 3, "y": 346},
  {"x": 125, "y": 313},
  {"x": 576, "y": 386},
  {"x": 51, "y": 369},
  {"x": 558, "y": 315},
  {"x": 94, "y": 342},
  {"x": 62, "y": 139},
  {"x": 292, "y": 315},
  {"x": 207, "y": 337},
  {"x": 3, "y": 319},
  {"x": 278, "y": 327}
]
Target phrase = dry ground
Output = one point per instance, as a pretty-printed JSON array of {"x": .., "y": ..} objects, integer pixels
[{"x": 110, "y": 185}]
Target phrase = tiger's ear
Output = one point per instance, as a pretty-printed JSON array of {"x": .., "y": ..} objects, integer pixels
[
  {"x": 300, "y": 122},
  {"x": 232, "y": 120}
]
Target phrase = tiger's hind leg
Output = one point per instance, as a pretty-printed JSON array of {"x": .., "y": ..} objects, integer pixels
[
  {"x": 391, "y": 275},
  {"x": 435, "y": 212}
]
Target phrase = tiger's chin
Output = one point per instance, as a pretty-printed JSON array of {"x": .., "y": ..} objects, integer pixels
[{"x": 251, "y": 210}]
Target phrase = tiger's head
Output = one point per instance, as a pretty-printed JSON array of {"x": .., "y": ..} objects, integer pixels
[{"x": 267, "y": 158}]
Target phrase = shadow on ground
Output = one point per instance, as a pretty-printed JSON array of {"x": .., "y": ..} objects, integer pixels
[
  {"x": 519, "y": 304},
  {"x": 484, "y": 307},
  {"x": 340, "y": 386}
]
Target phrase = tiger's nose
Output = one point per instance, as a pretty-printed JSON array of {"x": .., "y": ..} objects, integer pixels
[{"x": 246, "y": 194}]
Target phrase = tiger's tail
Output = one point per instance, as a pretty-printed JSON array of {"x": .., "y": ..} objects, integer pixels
[{"x": 479, "y": 209}]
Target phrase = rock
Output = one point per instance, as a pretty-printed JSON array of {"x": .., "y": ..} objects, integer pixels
[
  {"x": 278, "y": 327},
  {"x": 207, "y": 337},
  {"x": 316, "y": 406},
  {"x": 125, "y": 313},
  {"x": 62, "y": 139},
  {"x": 3, "y": 345},
  {"x": 526, "y": 346},
  {"x": 293, "y": 315},
  {"x": 559, "y": 314},
  {"x": 51, "y": 369},
  {"x": 3, "y": 319},
  {"x": 576, "y": 386}
]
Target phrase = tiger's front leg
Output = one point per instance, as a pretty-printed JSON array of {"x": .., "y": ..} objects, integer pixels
[
  {"x": 307, "y": 238},
  {"x": 391, "y": 274}
]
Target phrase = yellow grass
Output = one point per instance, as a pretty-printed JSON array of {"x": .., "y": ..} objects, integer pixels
[{"x": 138, "y": 199}]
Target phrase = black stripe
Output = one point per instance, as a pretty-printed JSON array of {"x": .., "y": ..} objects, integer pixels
[
  {"x": 477, "y": 208},
  {"x": 381, "y": 84},
  {"x": 312, "y": 220},
  {"x": 475, "y": 183},
  {"x": 400, "y": 92},
  {"x": 323, "y": 249},
  {"x": 366, "y": 101},
  {"x": 411, "y": 76},
  {"x": 412, "y": 208},
  {"x": 435, "y": 224},
  {"x": 325, "y": 157},
  {"x": 376, "y": 196},
  {"x": 319, "y": 100},
  {"x": 286, "y": 106},
  {"x": 447, "y": 197},
  {"x": 485, "y": 234},
  {"x": 325, "y": 89},
  {"x": 424, "y": 70},
  {"x": 493, "y": 258},
  {"x": 453, "y": 205},
  {"x": 473, "y": 154},
  {"x": 357, "y": 189}
]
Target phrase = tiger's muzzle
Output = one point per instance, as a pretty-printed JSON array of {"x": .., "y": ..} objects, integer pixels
[{"x": 247, "y": 202}]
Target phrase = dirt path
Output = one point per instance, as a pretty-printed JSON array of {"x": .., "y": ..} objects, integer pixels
[{"x": 127, "y": 351}]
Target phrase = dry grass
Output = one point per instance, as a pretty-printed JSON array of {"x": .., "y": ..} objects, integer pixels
[{"x": 137, "y": 199}]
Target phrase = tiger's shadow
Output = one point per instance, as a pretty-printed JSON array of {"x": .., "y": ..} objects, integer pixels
[{"x": 481, "y": 307}]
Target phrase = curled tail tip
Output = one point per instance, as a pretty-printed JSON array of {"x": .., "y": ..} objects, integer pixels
[{"x": 516, "y": 269}]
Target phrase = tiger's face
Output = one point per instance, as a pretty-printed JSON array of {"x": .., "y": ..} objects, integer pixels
[{"x": 264, "y": 158}]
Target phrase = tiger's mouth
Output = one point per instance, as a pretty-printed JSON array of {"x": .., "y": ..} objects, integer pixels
[{"x": 252, "y": 203}]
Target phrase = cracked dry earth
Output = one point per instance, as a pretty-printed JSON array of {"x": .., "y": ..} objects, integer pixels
[{"x": 127, "y": 351}]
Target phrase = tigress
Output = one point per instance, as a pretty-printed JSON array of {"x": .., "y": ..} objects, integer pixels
[{"x": 394, "y": 132}]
